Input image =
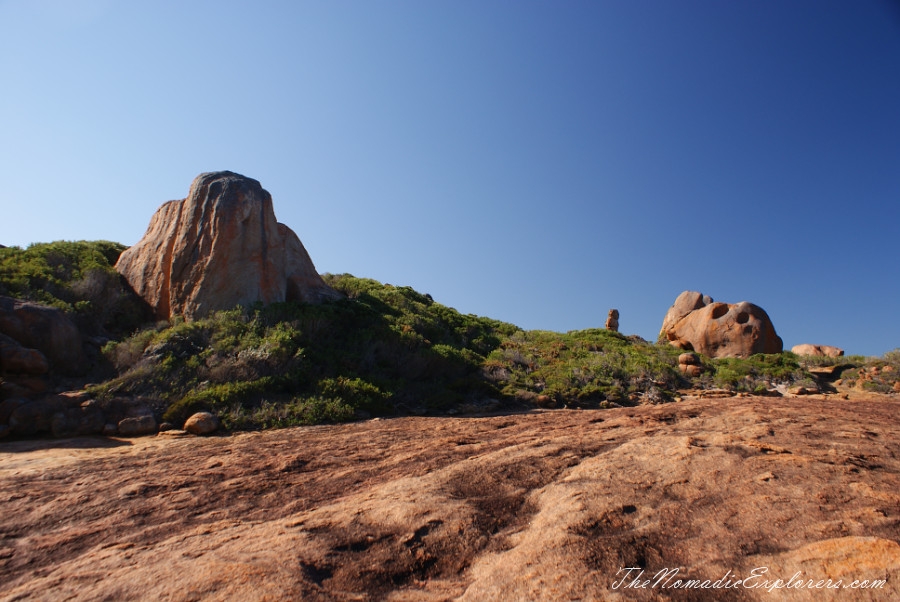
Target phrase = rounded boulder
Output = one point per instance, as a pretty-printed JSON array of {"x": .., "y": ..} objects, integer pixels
[{"x": 202, "y": 423}]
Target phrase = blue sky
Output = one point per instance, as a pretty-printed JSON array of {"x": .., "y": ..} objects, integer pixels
[{"x": 535, "y": 162}]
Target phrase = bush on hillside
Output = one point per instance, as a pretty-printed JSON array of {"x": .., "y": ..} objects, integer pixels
[
  {"x": 77, "y": 277},
  {"x": 382, "y": 350},
  {"x": 584, "y": 368},
  {"x": 758, "y": 372},
  {"x": 875, "y": 375}
]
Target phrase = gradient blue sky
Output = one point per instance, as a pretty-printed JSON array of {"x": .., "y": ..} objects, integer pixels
[{"x": 535, "y": 162}]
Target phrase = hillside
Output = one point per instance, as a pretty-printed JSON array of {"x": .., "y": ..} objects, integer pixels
[
  {"x": 454, "y": 479},
  {"x": 382, "y": 351}
]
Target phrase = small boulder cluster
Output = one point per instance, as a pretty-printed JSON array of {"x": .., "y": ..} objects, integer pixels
[
  {"x": 37, "y": 343},
  {"x": 689, "y": 364},
  {"x": 41, "y": 349},
  {"x": 74, "y": 414},
  {"x": 876, "y": 378}
]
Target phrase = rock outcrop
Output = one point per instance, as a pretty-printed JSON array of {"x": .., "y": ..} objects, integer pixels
[
  {"x": 684, "y": 304},
  {"x": 16, "y": 359},
  {"x": 689, "y": 364},
  {"x": 30, "y": 327},
  {"x": 612, "y": 320},
  {"x": 137, "y": 426},
  {"x": 817, "y": 350},
  {"x": 218, "y": 248},
  {"x": 75, "y": 414},
  {"x": 696, "y": 323}
]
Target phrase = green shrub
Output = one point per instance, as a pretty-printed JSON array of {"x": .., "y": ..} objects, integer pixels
[
  {"x": 891, "y": 358},
  {"x": 77, "y": 277},
  {"x": 757, "y": 371},
  {"x": 296, "y": 412},
  {"x": 584, "y": 367},
  {"x": 355, "y": 393},
  {"x": 215, "y": 398},
  {"x": 386, "y": 350}
]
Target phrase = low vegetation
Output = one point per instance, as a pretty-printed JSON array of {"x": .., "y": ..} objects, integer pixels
[
  {"x": 384, "y": 350},
  {"x": 77, "y": 277},
  {"x": 877, "y": 375},
  {"x": 584, "y": 368}
]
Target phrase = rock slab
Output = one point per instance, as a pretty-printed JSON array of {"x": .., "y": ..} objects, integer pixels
[
  {"x": 218, "y": 248},
  {"x": 540, "y": 506}
]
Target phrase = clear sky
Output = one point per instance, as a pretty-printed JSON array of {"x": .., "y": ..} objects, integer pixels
[{"x": 535, "y": 162}]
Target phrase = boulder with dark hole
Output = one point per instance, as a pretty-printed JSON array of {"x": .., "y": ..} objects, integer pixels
[{"x": 696, "y": 323}]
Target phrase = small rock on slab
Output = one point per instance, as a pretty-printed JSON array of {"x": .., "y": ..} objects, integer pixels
[
  {"x": 135, "y": 427},
  {"x": 202, "y": 423}
]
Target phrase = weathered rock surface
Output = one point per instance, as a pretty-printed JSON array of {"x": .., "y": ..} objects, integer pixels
[
  {"x": 23, "y": 385},
  {"x": 218, "y": 248},
  {"x": 7, "y": 406},
  {"x": 16, "y": 359},
  {"x": 137, "y": 426},
  {"x": 540, "y": 506},
  {"x": 696, "y": 323},
  {"x": 35, "y": 416},
  {"x": 77, "y": 422},
  {"x": 684, "y": 304},
  {"x": 73, "y": 413},
  {"x": 689, "y": 364},
  {"x": 817, "y": 350},
  {"x": 47, "y": 330},
  {"x": 612, "y": 320},
  {"x": 202, "y": 423}
]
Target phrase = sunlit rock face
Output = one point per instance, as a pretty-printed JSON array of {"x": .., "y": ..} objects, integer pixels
[
  {"x": 696, "y": 323},
  {"x": 218, "y": 248},
  {"x": 817, "y": 350}
]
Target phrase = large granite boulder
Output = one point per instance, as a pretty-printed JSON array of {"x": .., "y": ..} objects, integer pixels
[
  {"x": 218, "y": 248},
  {"x": 696, "y": 323},
  {"x": 45, "y": 329},
  {"x": 684, "y": 304}
]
